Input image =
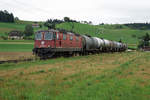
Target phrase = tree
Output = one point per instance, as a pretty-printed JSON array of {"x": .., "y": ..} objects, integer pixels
[
  {"x": 50, "y": 25},
  {"x": 141, "y": 26},
  {"x": 5, "y": 16},
  {"x": 16, "y": 18},
  {"x": 11, "y": 18},
  {"x": 41, "y": 25},
  {"x": 90, "y": 22},
  {"x": 28, "y": 30},
  {"x": 66, "y": 19},
  {"x": 144, "y": 41},
  {"x": 85, "y": 22},
  {"x": 120, "y": 40},
  {"x": 146, "y": 37}
]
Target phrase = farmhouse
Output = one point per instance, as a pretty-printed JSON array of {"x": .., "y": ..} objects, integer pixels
[
  {"x": 35, "y": 25},
  {"x": 15, "y": 35}
]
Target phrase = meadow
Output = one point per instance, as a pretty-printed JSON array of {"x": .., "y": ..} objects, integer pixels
[
  {"x": 111, "y": 32},
  {"x": 5, "y": 28},
  {"x": 16, "y": 47},
  {"x": 92, "y": 77}
]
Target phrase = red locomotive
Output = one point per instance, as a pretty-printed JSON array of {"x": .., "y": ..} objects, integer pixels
[
  {"x": 55, "y": 42},
  {"x": 51, "y": 42}
]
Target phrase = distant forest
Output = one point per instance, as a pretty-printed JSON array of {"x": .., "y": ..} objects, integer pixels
[
  {"x": 5, "y": 16},
  {"x": 142, "y": 26}
]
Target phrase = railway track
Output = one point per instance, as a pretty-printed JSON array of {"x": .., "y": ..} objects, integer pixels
[
  {"x": 27, "y": 60},
  {"x": 31, "y": 59},
  {"x": 16, "y": 61}
]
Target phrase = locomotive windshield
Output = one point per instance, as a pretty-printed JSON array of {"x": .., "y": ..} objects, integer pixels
[
  {"x": 38, "y": 36},
  {"x": 48, "y": 36}
]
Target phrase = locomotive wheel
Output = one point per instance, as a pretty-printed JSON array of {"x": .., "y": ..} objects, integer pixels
[
  {"x": 47, "y": 55},
  {"x": 52, "y": 54}
]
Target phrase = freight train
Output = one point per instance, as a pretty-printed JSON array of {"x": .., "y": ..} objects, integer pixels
[{"x": 49, "y": 43}]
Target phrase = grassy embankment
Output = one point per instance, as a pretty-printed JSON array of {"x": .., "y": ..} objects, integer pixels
[{"x": 93, "y": 77}]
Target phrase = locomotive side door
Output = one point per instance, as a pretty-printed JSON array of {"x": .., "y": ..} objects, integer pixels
[
  {"x": 64, "y": 40},
  {"x": 58, "y": 39},
  {"x": 71, "y": 40}
]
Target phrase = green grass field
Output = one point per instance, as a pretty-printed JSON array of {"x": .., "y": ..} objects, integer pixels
[
  {"x": 12, "y": 26},
  {"x": 93, "y": 77},
  {"x": 126, "y": 34},
  {"x": 15, "y": 45},
  {"x": 22, "y": 47},
  {"x": 7, "y": 27},
  {"x": 12, "y": 41},
  {"x": 19, "y": 25}
]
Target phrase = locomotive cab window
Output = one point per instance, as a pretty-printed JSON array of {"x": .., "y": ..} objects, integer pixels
[
  {"x": 38, "y": 36},
  {"x": 71, "y": 37},
  {"x": 77, "y": 38},
  {"x": 57, "y": 36},
  {"x": 64, "y": 37},
  {"x": 48, "y": 36}
]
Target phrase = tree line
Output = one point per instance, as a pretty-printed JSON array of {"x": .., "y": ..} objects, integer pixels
[
  {"x": 51, "y": 23},
  {"x": 142, "y": 26},
  {"x": 5, "y": 16}
]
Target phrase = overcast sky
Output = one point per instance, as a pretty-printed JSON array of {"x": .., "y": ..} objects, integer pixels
[{"x": 97, "y": 11}]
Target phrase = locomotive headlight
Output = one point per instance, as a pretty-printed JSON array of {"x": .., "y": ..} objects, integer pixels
[
  {"x": 49, "y": 46},
  {"x": 42, "y": 42}
]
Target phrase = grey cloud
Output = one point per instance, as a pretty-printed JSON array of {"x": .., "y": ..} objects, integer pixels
[{"x": 108, "y": 11}]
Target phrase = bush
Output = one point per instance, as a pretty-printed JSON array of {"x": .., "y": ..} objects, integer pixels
[
  {"x": 4, "y": 37},
  {"x": 134, "y": 36},
  {"x": 144, "y": 41},
  {"x": 28, "y": 30},
  {"x": 28, "y": 38}
]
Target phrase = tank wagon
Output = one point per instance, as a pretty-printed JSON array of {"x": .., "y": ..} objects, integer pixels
[{"x": 50, "y": 43}]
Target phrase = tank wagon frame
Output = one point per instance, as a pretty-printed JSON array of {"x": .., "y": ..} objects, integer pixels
[{"x": 50, "y": 43}]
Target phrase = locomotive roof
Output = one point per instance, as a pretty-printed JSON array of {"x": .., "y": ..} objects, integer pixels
[
  {"x": 48, "y": 30},
  {"x": 62, "y": 31}
]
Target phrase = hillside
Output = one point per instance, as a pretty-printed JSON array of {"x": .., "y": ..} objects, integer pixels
[
  {"x": 111, "y": 32},
  {"x": 7, "y": 27},
  {"x": 18, "y": 25}
]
